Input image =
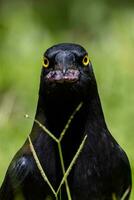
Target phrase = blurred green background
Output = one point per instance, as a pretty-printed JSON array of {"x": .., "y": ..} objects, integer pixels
[{"x": 27, "y": 28}]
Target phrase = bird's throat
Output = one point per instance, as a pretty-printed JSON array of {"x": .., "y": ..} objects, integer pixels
[{"x": 55, "y": 113}]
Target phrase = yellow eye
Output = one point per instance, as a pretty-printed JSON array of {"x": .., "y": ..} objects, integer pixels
[
  {"x": 45, "y": 62},
  {"x": 85, "y": 60}
]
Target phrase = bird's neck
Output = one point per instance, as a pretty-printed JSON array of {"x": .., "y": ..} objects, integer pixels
[{"x": 55, "y": 112}]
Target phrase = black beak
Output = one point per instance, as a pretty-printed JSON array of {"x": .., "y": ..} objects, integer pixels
[
  {"x": 64, "y": 69},
  {"x": 64, "y": 61}
]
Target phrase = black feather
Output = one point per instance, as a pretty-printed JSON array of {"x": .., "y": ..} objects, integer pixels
[{"x": 102, "y": 169}]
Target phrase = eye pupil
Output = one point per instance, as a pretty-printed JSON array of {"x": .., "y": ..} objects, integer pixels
[
  {"x": 85, "y": 59},
  {"x": 45, "y": 62}
]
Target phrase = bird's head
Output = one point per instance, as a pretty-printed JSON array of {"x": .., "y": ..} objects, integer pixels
[{"x": 66, "y": 68}]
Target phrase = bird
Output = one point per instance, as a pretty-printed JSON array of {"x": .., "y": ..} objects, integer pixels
[{"x": 102, "y": 170}]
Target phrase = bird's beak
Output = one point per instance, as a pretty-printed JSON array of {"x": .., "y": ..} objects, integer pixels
[
  {"x": 64, "y": 61},
  {"x": 65, "y": 69}
]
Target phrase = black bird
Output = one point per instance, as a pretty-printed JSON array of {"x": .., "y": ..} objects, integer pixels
[{"x": 102, "y": 170}]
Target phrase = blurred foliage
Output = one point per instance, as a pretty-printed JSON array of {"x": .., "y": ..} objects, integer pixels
[{"x": 27, "y": 28}]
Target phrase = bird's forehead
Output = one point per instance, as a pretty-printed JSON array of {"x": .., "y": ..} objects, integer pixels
[{"x": 74, "y": 48}]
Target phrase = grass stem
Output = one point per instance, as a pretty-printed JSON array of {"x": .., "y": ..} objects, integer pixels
[
  {"x": 63, "y": 170},
  {"x": 40, "y": 167},
  {"x": 72, "y": 163}
]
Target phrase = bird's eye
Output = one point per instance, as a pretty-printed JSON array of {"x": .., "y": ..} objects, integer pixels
[
  {"x": 85, "y": 60},
  {"x": 45, "y": 62}
]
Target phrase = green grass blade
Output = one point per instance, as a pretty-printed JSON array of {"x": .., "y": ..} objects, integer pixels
[
  {"x": 69, "y": 121},
  {"x": 47, "y": 131},
  {"x": 44, "y": 128},
  {"x": 63, "y": 170},
  {"x": 72, "y": 163},
  {"x": 125, "y": 194},
  {"x": 40, "y": 167}
]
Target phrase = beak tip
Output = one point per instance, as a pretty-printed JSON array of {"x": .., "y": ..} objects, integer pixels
[{"x": 64, "y": 71}]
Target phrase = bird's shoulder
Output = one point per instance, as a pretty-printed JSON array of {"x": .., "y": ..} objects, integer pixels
[{"x": 20, "y": 167}]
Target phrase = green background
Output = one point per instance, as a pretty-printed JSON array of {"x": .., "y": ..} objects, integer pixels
[{"x": 27, "y": 28}]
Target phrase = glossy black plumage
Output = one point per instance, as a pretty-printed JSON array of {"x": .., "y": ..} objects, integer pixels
[{"x": 102, "y": 169}]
